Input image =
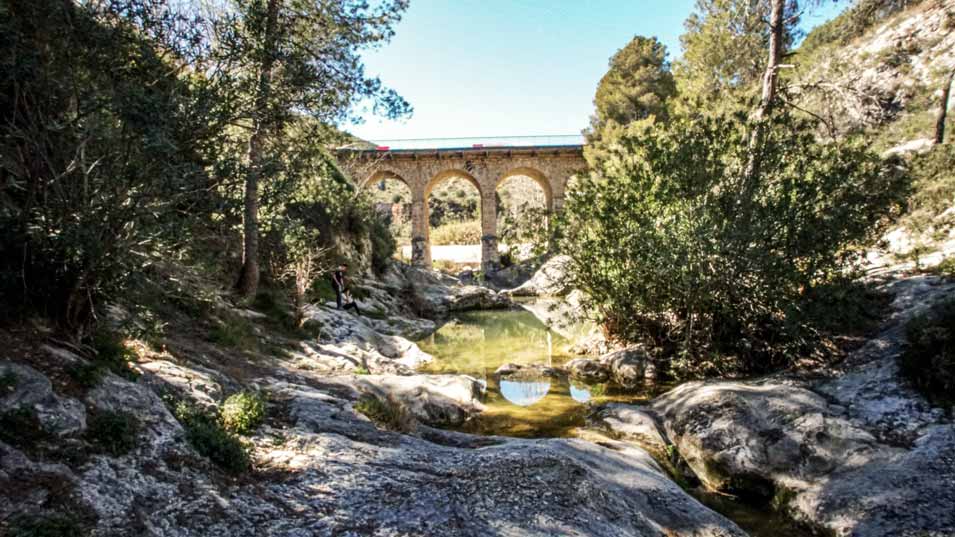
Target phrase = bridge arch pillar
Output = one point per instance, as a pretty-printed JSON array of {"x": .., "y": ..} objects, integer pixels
[
  {"x": 420, "y": 244},
  {"x": 490, "y": 257}
]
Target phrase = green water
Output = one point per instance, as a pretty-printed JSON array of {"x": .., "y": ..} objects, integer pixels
[
  {"x": 477, "y": 343},
  {"x": 536, "y": 406}
]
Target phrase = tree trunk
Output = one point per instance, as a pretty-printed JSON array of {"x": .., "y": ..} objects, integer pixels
[
  {"x": 943, "y": 109},
  {"x": 770, "y": 78},
  {"x": 249, "y": 276}
]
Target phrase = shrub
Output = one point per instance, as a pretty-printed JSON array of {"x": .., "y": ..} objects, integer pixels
[
  {"x": 947, "y": 267},
  {"x": 383, "y": 245},
  {"x": 21, "y": 428},
  {"x": 87, "y": 375},
  {"x": 929, "y": 359},
  {"x": 235, "y": 332},
  {"x": 387, "y": 413},
  {"x": 113, "y": 432},
  {"x": 468, "y": 232},
  {"x": 242, "y": 412},
  {"x": 207, "y": 435},
  {"x": 48, "y": 526},
  {"x": 679, "y": 248},
  {"x": 362, "y": 370},
  {"x": 113, "y": 354}
]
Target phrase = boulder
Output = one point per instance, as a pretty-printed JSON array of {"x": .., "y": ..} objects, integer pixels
[
  {"x": 631, "y": 423},
  {"x": 32, "y": 389},
  {"x": 587, "y": 371},
  {"x": 436, "y": 400},
  {"x": 859, "y": 453},
  {"x": 549, "y": 280},
  {"x": 533, "y": 370},
  {"x": 630, "y": 367}
]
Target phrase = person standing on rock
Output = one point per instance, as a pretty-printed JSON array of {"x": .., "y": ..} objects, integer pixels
[{"x": 340, "y": 285}]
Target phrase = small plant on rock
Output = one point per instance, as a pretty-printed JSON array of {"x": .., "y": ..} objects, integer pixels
[
  {"x": 207, "y": 435},
  {"x": 242, "y": 412},
  {"x": 113, "y": 432},
  {"x": 21, "y": 428},
  {"x": 48, "y": 526},
  {"x": 388, "y": 413},
  {"x": 929, "y": 360}
]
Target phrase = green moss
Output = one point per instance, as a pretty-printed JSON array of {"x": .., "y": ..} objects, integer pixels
[
  {"x": 362, "y": 370},
  {"x": 49, "y": 526},
  {"x": 207, "y": 435},
  {"x": 112, "y": 432},
  {"x": 21, "y": 428},
  {"x": 241, "y": 413}
]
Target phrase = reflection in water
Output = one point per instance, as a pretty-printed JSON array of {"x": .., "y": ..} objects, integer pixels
[
  {"x": 581, "y": 394},
  {"x": 523, "y": 392}
]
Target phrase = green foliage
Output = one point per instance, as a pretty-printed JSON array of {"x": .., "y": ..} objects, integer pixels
[
  {"x": 113, "y": 432},
  {"x": 243, "y": 412},
  {"x": 99, "y": 138},
  {"x": 235, "y": 332},
  {"x": 113, "y": 354},
  {"x": 947, "y": 267},
  {"x": 467, "y": 232},
  {"x": 637, "y": 86},
  {"x": 383, "y": 244},
  {"x": 86, "y": 375},
  {"x": 933, "y": 174},
  {"x": 387, "y": 413},
  {"x": 21, "y": 428},
  {"x": 724, "y": 47},
  {"x": 362, "y": 370},
  {"x": 46, "y": 526},
  {"x": 929, "y": 360},
  {"x": 205, "y": 433},
  {"x": 674, "y": 252}
]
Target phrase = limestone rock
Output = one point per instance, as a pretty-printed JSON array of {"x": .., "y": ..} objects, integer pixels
[
  {"x": 857, "y": 454},
  {"x": 629, "y": 367},
  {"x": 549, "y": 280},
  {"x": 632, "y": 423},
  {"x": 32, "y": 389},
  {"x": 587, "y": 371}
]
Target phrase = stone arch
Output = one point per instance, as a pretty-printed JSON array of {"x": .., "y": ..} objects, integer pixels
[
  {"x": 449, "y": 173},
  {"x": 537, "y": 176},
  {"x": 384, "y": 174},
  {"x": 424, "y": 229}
]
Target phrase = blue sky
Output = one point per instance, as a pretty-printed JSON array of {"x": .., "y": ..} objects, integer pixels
[{"x": 513, "y": 67}]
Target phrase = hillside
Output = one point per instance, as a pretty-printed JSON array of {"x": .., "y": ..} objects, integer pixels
[{"x": 883, "y": 75}]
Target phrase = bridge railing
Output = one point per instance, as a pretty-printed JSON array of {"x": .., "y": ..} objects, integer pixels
[{"x": 471, "y": 142}]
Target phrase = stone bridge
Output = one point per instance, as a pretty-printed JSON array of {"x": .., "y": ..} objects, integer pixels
[{"x": 548, "y": 163}]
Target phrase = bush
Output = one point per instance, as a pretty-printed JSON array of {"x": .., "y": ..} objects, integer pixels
[
  {"x": 113, "y": 354},
  {"x": 947, "y": 267},
  {"x": 21, "y": 428},
  {"x": 929, "y": 359},
  {"x": 207, "y": 435},
  {"x": 388, "y": 413},
  {"x": 114, "y": 433},
  {"x": 383, "y": 245},
  {"x": 242, "y": 412},
  {"x": 468, "y": 232},
  {"x": 679, "y": 249}
]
